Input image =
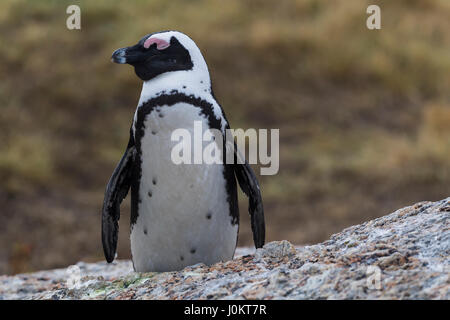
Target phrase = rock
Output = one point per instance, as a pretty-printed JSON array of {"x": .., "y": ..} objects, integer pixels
[
  {"x": 404, "y": 255},
  {"x": 276, "y": 249}
]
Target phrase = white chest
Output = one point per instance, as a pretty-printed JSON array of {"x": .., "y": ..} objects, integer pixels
[{"x": 183, "y": 213}]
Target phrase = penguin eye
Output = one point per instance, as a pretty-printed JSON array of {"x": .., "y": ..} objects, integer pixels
[{"x": 160, "y": 43}]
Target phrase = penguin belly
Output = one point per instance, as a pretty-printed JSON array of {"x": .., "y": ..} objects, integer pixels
[{"x": 183, "y": 212}]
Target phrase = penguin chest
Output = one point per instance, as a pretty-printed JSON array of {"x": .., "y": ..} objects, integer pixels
[{"x": 183, "y": 213}]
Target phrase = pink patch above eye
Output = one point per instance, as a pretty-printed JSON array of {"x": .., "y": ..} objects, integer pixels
[{"x": 160, "y": 43}]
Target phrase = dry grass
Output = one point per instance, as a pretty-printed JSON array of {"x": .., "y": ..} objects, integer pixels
[{"x": 363, "y": 115}]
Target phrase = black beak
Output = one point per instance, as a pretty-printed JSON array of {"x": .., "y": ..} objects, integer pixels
[
  {"x": 120, "y": 56},
  {"x": 131, "y": 55}
]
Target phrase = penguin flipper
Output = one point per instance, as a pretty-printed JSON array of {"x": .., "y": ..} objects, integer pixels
[
  {"x": 116, "y": 191},
  {"x": 250, "y": 186}
]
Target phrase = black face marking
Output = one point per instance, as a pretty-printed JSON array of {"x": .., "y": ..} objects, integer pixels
[
  {"x": 150, "y": 62},
  {"x": 206, "y": 109},
  {"x": 193, "y": 250}
]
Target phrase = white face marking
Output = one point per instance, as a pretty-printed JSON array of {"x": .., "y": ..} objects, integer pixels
[{"x": 184, "y": 214}]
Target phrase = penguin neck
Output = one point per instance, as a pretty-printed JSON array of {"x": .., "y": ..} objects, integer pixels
[{"x": 194, "y": 82}]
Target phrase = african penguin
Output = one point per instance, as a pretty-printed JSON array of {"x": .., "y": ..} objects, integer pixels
[{"x": 181, "y": 214}]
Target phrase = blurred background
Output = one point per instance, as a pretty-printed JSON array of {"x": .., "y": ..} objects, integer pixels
[{"x": 364, "y": 116}]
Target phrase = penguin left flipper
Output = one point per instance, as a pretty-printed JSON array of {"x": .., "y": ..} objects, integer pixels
[
  {"x": 116, "y": 191},
  {"x": 250, "y": 186}
]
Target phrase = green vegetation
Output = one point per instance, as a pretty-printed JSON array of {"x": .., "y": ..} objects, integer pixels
[{"x": 363, "y": 115}]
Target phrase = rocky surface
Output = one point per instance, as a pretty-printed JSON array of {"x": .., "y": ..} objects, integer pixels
[{"x": 404, "y": 255}]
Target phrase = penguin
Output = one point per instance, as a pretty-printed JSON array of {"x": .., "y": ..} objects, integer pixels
[{"x": 181, "y": 214}]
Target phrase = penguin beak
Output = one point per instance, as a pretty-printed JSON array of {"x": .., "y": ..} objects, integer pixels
[
  {"x": 130, "y": 55},
  {"x": 120, "y": 56}
]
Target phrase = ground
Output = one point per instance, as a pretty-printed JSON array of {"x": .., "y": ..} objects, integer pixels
[{"x": 404, "y": 255}]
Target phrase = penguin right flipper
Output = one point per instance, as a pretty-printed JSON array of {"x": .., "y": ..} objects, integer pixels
[
  {"x": 250, "y": 186},
  {"x": 116, "y": 191}
]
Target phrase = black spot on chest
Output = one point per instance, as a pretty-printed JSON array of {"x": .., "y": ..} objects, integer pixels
[{"x": 206, "y": 109}]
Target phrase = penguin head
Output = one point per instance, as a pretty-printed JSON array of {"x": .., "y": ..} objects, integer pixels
[{"x": 161, "y": 53}]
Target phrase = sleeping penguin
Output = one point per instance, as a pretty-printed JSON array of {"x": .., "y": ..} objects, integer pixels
[{"x": 181, "y": 214}]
